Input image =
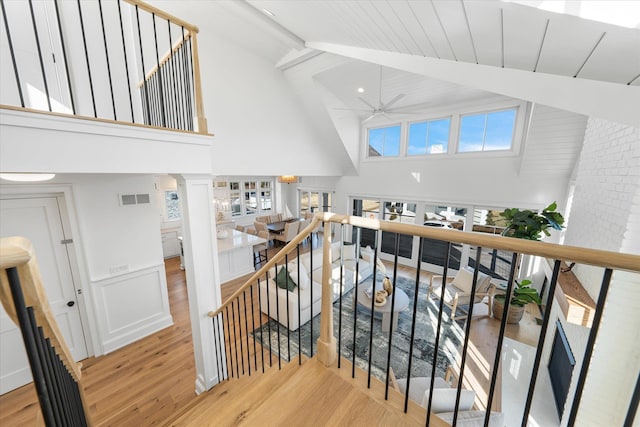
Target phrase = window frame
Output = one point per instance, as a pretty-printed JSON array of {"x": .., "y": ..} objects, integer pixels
[
  {"x": 241, "y": 193},
  {"x": 428, "y": 120},
  {"x": 401, "y": 142},
  {"x": 486, "y": 113}
]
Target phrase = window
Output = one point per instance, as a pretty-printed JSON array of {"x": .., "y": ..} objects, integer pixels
[
  {"x": 250, "y": 197},
  {"x": 172, "y": 204},
  {"x": 314, "y": 201},
  {"x": 487, "y": 131},
  {"x": 429, "y": 137},
  {"x": 384, "y": 142}
]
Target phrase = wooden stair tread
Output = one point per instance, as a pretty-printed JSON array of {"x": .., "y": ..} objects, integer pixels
[{"x": 307, "y": 394}]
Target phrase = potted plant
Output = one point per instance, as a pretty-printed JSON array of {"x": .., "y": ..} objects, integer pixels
[
  {"x": 523, "y": 294},
  {"x": 527, "y": 224}
]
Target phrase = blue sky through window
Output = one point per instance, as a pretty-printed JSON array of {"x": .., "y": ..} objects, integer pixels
[
  {"x": 487, "y": 131},
  {"x": 428, "y": 137},
  {"x": 384, "y": 141}
]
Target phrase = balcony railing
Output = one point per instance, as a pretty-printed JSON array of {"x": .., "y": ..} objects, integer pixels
[
  {"x": 261, "y": 325},
  {"x": 115, "y": 60}
]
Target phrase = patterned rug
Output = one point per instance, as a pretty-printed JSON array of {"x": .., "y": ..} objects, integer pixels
[{"x": 451, "y": 335}]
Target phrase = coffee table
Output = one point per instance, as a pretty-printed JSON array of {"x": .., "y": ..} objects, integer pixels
[{"x": 389, "y": 317}]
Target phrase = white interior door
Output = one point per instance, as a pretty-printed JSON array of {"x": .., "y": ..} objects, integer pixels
[{"x": 39, "y": 220}]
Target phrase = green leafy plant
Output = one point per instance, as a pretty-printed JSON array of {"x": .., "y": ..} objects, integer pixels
[
  {"x": 527, "y": 224},
  {"x": 523, "y": 294}
]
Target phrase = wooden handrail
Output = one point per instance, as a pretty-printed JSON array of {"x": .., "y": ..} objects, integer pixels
[
  {"x": 277, "y": 258},
  {"x": 17, "y": 252},
  {"x": 162, "y": 14},
  {"x": 605, "y": 259}
]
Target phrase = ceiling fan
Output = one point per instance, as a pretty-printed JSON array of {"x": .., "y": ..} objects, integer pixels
[{"x": 383, "y": 108}]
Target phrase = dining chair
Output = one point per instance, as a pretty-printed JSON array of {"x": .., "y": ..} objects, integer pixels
[
  {"x": 240, "y": 227},
  {"x": 260, "y": 250},
  {"x": 290, "y": 231}
]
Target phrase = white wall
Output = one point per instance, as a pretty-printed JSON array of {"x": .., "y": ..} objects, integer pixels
[{"x": 605, "y": 215}]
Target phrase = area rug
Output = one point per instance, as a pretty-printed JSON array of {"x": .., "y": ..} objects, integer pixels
[{"x": 289, "y": 343}]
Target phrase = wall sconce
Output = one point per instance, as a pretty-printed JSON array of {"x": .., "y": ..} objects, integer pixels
[{"x": 288, "y": 179}]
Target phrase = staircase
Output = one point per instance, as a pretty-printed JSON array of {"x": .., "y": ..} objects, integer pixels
[{"x": 301, "y": 394}]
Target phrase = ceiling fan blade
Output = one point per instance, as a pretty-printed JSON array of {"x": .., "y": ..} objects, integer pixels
[
  {"x": 393, "y": 101},
  {"x": 351, "y": 109},
  {"x": 366, "y": 102},
  {"x": 370, "y": 117}
]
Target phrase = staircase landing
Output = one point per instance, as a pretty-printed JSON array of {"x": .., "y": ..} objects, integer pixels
[{"x": 307, "y": 394}]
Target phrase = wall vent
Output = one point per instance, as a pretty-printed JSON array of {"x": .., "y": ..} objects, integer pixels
[{"x": 134, "y": 199}]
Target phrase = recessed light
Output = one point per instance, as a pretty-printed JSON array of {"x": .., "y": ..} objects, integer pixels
[
  {"x": 27, "y": 177},
  {"x": 360, "y": 90},
  {"x": 268, "y": 12}
]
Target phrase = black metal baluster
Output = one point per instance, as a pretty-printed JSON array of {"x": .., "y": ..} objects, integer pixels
[
  {"x": 541, "y": 338},
  {"x": 159, "y": 73},
  {"x": 503, "y": 325},
  {"x": 286, "y": 267},
  {"x": 216, "y": 343},
  {"x": 126, "y": 61},
  {"x": 239, "y": 323},
  {"x": 311, "y": 298},
  {"x": 373, "y": 301},
  {"x": 465, "y": 347},
  {"x": 230, "y": 359},
  {"x": 106, "y": 55},
  {"x": 278, "y": 317},
  {"x": 60, "y": 398},
  {"x": 30, "y": 345},
  {"x": 593, "y": 334},
  {"x": 436, "y": 345},
  {"x": 246, "y": 329},
  {"x": 64, "y": 385},
  {"x": 13, "y": 56},
  {"x": 392, "y": 314},
  {"x": 86, "y": 57},
  {"x": 253, "y": 327},
  {"x": 64, "y": 57},
  {"x": 266, "y": 279},
  {"x": 340, "y": 296},
  {"x": 355, "y": 304},
  {"x": 172, "y": 76},
  {"x": 179, "y": 88},
  {"x": 144, "y": 73},
  {"x": 44, "y": 74},
  {"x": 416, "y": 293},
  {"x": 43, "y": 356},
  {"x": 633, "y": 405},
  {"x": 224, "y": 341},
  {"x": 260, "y": 323},
  {"x": 299, "y": 317}
]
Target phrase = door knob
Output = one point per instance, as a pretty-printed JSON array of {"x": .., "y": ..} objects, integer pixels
[{"x": 71, "y": 303}]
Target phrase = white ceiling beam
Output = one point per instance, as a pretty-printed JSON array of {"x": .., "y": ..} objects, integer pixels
[
  {"x": 297, "y": 57},
  {"x": 611, "y": 101}
]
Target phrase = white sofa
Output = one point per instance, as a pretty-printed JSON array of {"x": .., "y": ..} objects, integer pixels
[{"x": 310, "y": 280}]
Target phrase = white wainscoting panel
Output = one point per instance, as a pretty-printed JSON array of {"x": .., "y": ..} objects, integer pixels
[{"x": 131, "y": 306}]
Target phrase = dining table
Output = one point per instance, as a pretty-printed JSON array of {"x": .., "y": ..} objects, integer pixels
[{"x": 278, "y": 227}]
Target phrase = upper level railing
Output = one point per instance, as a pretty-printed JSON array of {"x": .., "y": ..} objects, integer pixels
[
  {"x": 423, "y": 338},
  {"x": 57, "y": 377},
  {"x": 120, "y": 60}
]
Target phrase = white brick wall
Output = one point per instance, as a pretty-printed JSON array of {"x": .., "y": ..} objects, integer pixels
[{"x": 606, "y": 215}]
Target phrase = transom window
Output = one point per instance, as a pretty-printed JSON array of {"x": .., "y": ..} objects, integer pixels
[
  {"x": 384, "y": 142},
  {"x": 487, "y": 131},
  {"x": 250, "y": 197},
  {"x": 429, "y": 137}
]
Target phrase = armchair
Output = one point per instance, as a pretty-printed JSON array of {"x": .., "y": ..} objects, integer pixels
[{"x": 458, "y": 289}]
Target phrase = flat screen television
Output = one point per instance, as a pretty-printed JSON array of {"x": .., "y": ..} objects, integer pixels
[{"x": 561, "y": 363}]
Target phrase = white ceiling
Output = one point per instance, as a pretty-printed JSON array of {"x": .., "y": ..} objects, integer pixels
[{"x": 485, "y": 32}]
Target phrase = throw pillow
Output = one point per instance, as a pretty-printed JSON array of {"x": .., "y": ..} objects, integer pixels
[
  {"x": 284, "y": 280},
  {"x": 463, "y": 281},
  {"x": 303, "y": 280},
  {"x": 348, "y": 252}
]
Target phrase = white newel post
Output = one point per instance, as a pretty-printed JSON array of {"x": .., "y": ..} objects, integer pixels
[{"x": 202, "y": 273}]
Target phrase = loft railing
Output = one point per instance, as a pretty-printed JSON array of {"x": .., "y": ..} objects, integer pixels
[
  {"x": 85, "y": 58},
  {"x": 56, "y": 376},
  {"x": 243, "y": 349}
]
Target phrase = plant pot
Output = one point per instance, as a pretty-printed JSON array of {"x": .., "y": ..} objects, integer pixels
[{"x": 514, "y": 314}]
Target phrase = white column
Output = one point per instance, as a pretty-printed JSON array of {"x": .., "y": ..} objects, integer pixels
[{"x": 202, "y": 273}]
